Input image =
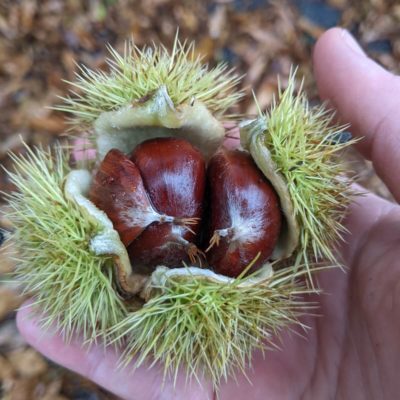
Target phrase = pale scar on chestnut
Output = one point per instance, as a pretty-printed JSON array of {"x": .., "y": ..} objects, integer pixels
[{"x": 155, "y": 199}]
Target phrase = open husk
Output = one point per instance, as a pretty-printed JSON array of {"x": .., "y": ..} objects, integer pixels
[
  {"x": 207, "y": 323},
  {"x": 191, "y": 316},
  {"x": 74, "y": 263}
]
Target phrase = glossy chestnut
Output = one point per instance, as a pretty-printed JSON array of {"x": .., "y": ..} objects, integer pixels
[
  {"x": 174, "y": 176},
  {"x": 245, "y": 217},
  {"x": 118, "y": 190}
]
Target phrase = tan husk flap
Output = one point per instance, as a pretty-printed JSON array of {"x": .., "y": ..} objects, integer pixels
[
  {"x": 161, "y": 276},
  {"x": 156, "y": 116},
  {"x": 251, "y": 137},
  {"x": 107, "y": 242}
]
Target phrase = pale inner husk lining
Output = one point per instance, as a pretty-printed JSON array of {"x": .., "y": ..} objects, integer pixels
[
  {"x": 154, "y": 117},
  {"x": 252, "y": 139}
]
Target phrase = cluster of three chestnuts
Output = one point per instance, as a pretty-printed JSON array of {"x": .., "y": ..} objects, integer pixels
[{"x": 170, "y": 208}]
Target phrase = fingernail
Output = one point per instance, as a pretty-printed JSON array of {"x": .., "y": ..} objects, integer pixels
[{"x": 351, "y": 42}]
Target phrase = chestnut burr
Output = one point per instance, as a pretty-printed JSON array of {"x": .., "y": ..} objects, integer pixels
[{"x": 245, "y": 217}]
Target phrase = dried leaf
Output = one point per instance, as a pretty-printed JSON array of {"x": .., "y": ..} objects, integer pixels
[{"x": 28, "y": 363}]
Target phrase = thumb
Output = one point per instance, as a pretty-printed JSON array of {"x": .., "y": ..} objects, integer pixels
[{"x": 366, "y": 96}]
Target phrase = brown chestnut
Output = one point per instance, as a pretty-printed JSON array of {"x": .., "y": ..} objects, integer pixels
[
  {"x": 118, "y": 190},
  {"x": 174, "y": 176},
  {"x": 245, "y": 217}
]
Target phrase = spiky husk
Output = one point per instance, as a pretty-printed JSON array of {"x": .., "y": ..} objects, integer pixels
[
  {"x": 72, "y": 287},
  {"x": 204, "y": 326},
  {"x": 209, "y": 328},
  {"x": 302, "y": 142},
  {"x": 139, "y": 72}
]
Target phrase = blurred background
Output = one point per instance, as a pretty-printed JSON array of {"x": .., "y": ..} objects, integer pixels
[{"x": 42, "y": 40}]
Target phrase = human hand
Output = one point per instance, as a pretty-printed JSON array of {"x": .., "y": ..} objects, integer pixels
[{"x": 352, "y": 350}]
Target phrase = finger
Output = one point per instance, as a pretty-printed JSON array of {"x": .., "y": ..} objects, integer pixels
[
  {"x": 366, "y": 96},
  {"x": 100, "y": 365}
]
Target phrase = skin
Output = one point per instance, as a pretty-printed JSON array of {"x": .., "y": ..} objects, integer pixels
[{"x": 352, "y": 349}]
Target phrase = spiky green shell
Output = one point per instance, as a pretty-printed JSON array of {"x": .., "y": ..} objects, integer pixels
[
  {"x": 140, "y": 72},
  {"x": 208, "y": 325},
  {"x": 201, "y": 324},
  {"x": 72, "y": 287},
  {"x": 211, "y": 329},
  {"x": 301, "y": 142}
]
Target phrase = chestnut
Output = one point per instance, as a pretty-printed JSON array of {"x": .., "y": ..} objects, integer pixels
[
  {"x": 174, "y": 176},
  {"x": 118, "y": 190},
  {"x": 245, "y": 216}
]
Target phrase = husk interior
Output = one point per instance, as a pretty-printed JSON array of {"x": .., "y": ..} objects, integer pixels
[
  {"x": 156, "y": 116},
  {"x": 251, "y": 139}
]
